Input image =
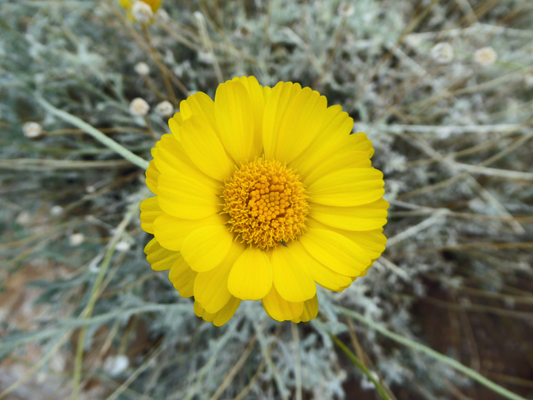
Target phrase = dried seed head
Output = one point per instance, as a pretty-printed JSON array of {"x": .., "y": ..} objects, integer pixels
[
  {"x": 32, "y": 129},
  {"x": 161, "y": 16},
  {"x": 142, "y": 68},
  {"x": 56, "y": 211},
  {"x": 139, "y": 107},
  {"x": 76, "y": 239},
  {"x": 142, "y": 12},
  {"x": 165, "y": 109},
  {"x": 442, "y": 53},
  {"x": 346, "y": 10},
  {"x": 485, "y": 56}
]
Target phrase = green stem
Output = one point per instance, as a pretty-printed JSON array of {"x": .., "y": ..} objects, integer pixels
[
  {"x": 360, "y": 365},
  {"x": 118, "y": 148},
  {"x": 432, "y": 353},
  {"x": 95, "y": 292}
]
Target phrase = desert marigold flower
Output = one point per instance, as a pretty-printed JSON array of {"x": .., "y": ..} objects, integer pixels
[{"x": 261, "y": 195}]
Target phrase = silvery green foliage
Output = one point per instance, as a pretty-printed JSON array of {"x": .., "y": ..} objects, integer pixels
[{"x": 379, "y": 66}]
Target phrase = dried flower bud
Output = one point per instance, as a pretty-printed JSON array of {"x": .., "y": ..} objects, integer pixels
[
  {"x": 76, "y": 239},
  {"x": 165, "y": 109},
  {"x": 56, "y": 211},
  {"x": 161, "y": 16},
  {"x": 123, "y": 246},
  {"x": 139, "y": 107},
  {"x": 485, "y": 56},
  {"x": 24, "y": 218},
  {"x": 32, "y": 129},
  {"x": 142, "y": 68},
  {"x": 442, "y": 53},
  {"x": 142, "y": 12},
  {"x": 346, "y": 10},
  {"x": 115, "y": 365}
]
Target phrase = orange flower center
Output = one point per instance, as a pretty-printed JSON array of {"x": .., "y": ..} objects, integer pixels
[{"x": 266, "y": 203}]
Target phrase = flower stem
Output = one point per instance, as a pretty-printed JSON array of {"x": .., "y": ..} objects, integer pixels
[
  {"x": 433, "y": 354},
  {"x": 360, "y": 365},
  {"x": 118, "y": 148}
]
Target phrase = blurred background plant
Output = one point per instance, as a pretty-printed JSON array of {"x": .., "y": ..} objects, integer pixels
[{"x": 444, "y": 88}]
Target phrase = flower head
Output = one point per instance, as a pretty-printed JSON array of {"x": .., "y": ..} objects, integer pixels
[
  {"x": 165, "y": 108},
  {"x": 261, "y": 195},
  {"x": 142, "y": 68},
  {"x": 140, "y": 10},
  {"x": 442, "y": 53},
  {"x": 139, "y": 107},
  {"x": 32, "y": 130},
  {"x": 485, "y": 56}
]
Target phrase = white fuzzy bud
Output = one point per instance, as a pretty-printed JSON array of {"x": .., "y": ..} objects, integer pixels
[
  {"x": 485, "y": 56},
  {"x": 142, "y": 68},
  {"x": 76, "y": 239},
  {"x": 116, "y": 365},
  {"x": 442, "y": 53},
  {"x": 32, "y": 129},
  {"x": 161, "y": 16},
  {"x": 346, "y": 10},
  {"x": 24, "y": 218},
  {"x": 139, "y": 107},
  {"x": 123, "y": 246},
  {"x": 56, "y": 211},
  {"x": 165, "y": 109},
  {"x": 142, "y": 12}
]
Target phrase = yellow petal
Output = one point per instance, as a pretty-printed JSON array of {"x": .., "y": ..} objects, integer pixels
[
  {"x": 334, "y": 138},
  {"x": 372, "y": 242},
  {"x": 175, "y": 124},
  {"x": 200, "y": 312},
  {"x": 182, "y": 277},
  {"x": 292, "y": 119},
  {"x": 211, "y": 287},
  {"x": 359, "y": 218},
  {"x": 150, "y": 210},
  {"x": 322, "y": 275},
  {"x": 345, "y": 158},
  {"x": 160, "y": 258},
  {"x": 235, "y": 121},
  {"x": 301, "y": 123},
  {"x": 280, "y": 309},
  {"x": 172, "y": 231},
  {"x": 201, "y": 105},
  {"x": 257, "y": 98},
  {"x": 335, "y": 251},
  {"x": 251, "y": 275},
  {"x": 275, "y": 106},
  {"x": 290, "y": 275},
  {"x": 183, "y": 196},
  {"x": 222, "y": 316},
  {"x": 205, "y": 149},
  {"x": 152, "y": 174},
  {"x": 310, "y": 311},
  {"x": 225, "y": 314},
  {"x": 205, "y": 248},
  {"x": 347, "y": 187},
  {"x": 171, "y": 157}
]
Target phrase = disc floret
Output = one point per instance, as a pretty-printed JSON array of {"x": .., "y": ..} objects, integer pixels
[{"x": 267, "y": 204}]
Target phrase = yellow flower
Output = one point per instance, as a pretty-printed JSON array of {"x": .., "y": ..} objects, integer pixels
[{"x": 261, "y": 195}]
